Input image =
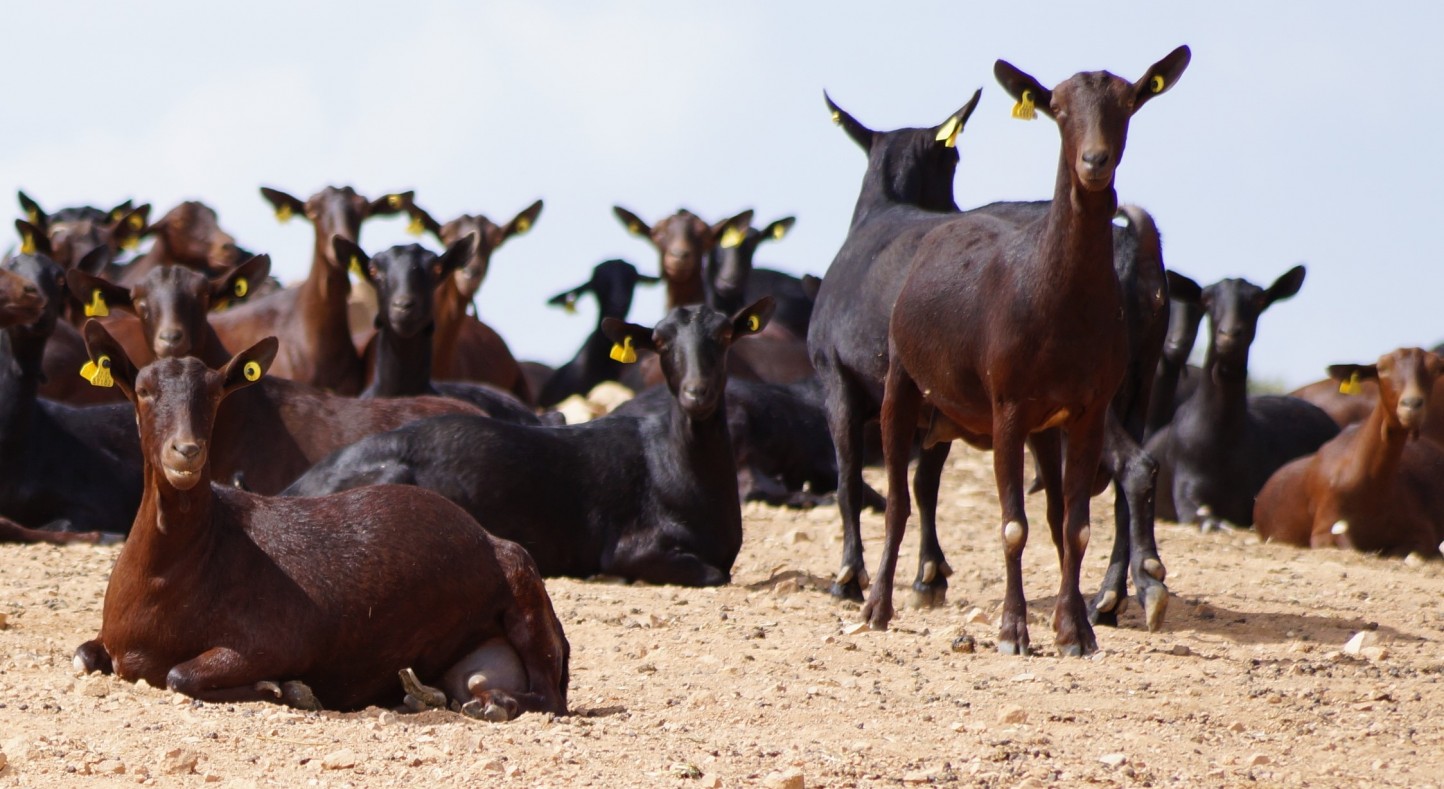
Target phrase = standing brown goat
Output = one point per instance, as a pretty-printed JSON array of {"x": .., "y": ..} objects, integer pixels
[
  {"x": 1005, "y": 332},
  {"x": 1376, "y": 486},
  {"x": 226, "y": 596}
]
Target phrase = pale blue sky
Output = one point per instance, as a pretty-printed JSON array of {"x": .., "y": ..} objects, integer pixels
[{"x": 1302, "y": 132}]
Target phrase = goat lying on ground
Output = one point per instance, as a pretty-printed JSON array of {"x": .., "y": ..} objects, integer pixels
[
  {"x": 651, "y": 497},
  {"x": 226, "y": 596},
  {"x": 1376, "y": 486}
]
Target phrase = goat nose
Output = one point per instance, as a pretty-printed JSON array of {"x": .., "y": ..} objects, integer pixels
[
  {"x": 169, "y": 336},
  {"x": 403, "y": 302},
  {"x": 1096, "y": 160},
  {"x": 1412, "y": 402},
  {"x": 186, "y": 449}
]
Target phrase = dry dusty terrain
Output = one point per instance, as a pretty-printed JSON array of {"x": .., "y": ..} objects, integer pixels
[{"x": 760, "y": 683}]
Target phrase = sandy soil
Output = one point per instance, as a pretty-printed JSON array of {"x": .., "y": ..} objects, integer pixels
[{"x": 767, "y": 683}]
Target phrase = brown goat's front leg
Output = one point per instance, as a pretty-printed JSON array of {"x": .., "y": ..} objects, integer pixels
[
  {"x": 1008, "y": 436},
  {"x": 221, "y": 675},
  {"x": 1074, "y": 634},
  {"x": 900, "y": 405},
  {"x": 91, "y": 657}
]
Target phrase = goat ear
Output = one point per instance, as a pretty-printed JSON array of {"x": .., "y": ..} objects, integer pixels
[
  {"x": 859, "y": 133},
  {"x": 247, "y": 367},
  {"x": 1286, "y": 286},
  {"x": 239, "y": 281},
  {"x": 351, "y": 256},
  {"x": 947, "y": 131},
  {"x": 775, "y": 231},
  {"x": 647, "y": 279},
  {"x": 422, "y": 222},
  {"x": 389, "y": 204},
  {"x": 619, "y": 331},
  {"x": 1016, "y": 82},
  {"x": 127, "y": 229},
  {"x": 1181, "y": 288},
  {"x": 730, "y": 228},
  {"x": 753, "y": 319},
  {"x": 811, "y": 284},
  {"x": 522, "y": 222},
  {"x": 1349, "y": 372},
  {"x": 33, "y": 241},
  {"x": 454, "y": 257},
  {"x": 120, "y": 210},
  {"x": 108, "y": 361},
  {"x": 1433, "y": 363},
  {"x": 633, "y": 223},
  {"x": 1161, "y": 76},
  {"x": 94, "y": 260},
  {"x": 97, "y": 294},
  {"x": 33, "y": 212},
  {"x": 567, "y": 298},
  {"x": 285, "y": 205}
]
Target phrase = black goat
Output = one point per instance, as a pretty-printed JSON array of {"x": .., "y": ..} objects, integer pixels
[
  {"x": 61, "y": 468},
  {"x": 733, "y": 281},
  {"x": 1224, "y": 445},
  {"x": 651, "y": 497},
  {"x": 613, "y": 283}
]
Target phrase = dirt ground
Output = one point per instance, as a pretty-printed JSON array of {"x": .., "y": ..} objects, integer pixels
[{"x": 767, "y": 683}]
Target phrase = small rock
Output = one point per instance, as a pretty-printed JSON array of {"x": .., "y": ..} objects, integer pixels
[
  {"x": 211, "y": 778},
  {"x": 386, "y": 718},
  {"x": 1237, "y": 727},
  {"x": 922, "y": 776},
  {"x": 1414, "y": 559},
  {"x": 1012, "y": 713},
  {"x": 1374, "y": 653},
  {"x": 1259, "y": 759},
  {"x": 110, "y": 767},
  {"x": 975, "y": 616},
  {"x": 4, "y": 760},
  {"x": 710, "y": 782},
  {"x": 965, "y": 644},
  {"x": 4, "y": 621},
  {"x": 179, "y": 761},
  {"x": 796, "y": 536},
  {"x": 785, "y": 587},
  {"x": 1361, "y": 639},
  {"x": 339, "y": 760},
  {"x": 93, "y": 686},
  {"x": 854, "y": 628},
  {"x": 1113, "y": 760},
  {"x": 791, "y": 778},
  {"x": 1180, "y": 650}
]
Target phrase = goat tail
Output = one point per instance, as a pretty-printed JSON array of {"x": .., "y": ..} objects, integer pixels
[{"x": 1141, "y": 223}]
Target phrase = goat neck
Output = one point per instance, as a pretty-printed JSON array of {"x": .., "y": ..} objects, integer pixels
[{"x": 403, "y": 364}]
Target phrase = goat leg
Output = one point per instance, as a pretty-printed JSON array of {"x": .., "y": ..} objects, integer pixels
[
  {"x": 901, "y": 403},
  {"x": 1008, "y": 475},
  {"x": 1135, "y": 551},
  {"x": 930, "y": 588},
  {"x": 91, "y": 657},
  {"x": 845, "y": 422},
  {"x": 1073, "y": 633},
  {"x": 222, "y": 675}
]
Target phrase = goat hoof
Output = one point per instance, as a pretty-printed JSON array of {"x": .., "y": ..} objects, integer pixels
[
  {"x": 298, "y": 695},
  {"x": 876, "y": 615},
  {"x": 1013, "y": 648},
  {"x": 423, "y": 694},
  {"x": 1155, "y": 605},
  {"x": 266, "y": 686},
  {"x": 486, "y": 710},
  {"x": 929, "y": 596}
]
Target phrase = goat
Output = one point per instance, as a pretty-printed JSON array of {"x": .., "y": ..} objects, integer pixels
[
  {"x": 1175, "y": 379},
  {"x": 1346, "y": 404},
  {"x": 466, "y": 349},
  {"x": 733, "y": 281},
  {"x": 683, "y": 241},
  {"x": 613, "y": 283},
  {"x": 61, "y": 468},
  {"x": 1036, "y": 340},
  {"x": 651, "y": 497},
  {"x": 188, "y": 235},
  {"x": 302, "y": 424},
  {"x": 1223, "y": 445},
  {"x": 226, "y": 596},
  {"x": 405, "y": 279},
  {"x": 1375, "y": 487},
  {"x": 72, "y": 234},
  {"x": 311, "y": 320}
]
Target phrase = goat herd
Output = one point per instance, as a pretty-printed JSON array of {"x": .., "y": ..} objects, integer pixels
[{"x": 305, "y": 495}]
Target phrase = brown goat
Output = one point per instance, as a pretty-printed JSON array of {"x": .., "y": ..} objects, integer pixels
[
  {"x": 311, "y": 320},
  {"x": 1374, "y": 487},
  {"x": 463, "y": 347},
  {"x": 188, "y": 235},
  {"x": 1007, "y": 331},
  {"x": 684, "y": 242},
  {"x": 302, "y": 424},
  {"x": 227, "y": 597},
  {"x": 1345, "y": 407},
  {"x": 73, "y": 234}
]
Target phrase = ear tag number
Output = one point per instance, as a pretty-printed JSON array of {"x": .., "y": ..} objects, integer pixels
[{"x": 98, "y": 372}]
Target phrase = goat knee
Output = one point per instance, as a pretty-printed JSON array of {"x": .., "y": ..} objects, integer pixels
[{"x": 91, "y": 657}]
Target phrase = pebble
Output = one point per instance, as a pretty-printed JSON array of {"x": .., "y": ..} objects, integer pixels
[
  {"x": 339, "y": 760},
  {"x": 975, "y": 616},
  {"x": 1012, "y": 713},
  {"x": 1259, "y": 759},
  {"x": 93, "y": 686},
  {"x": 111, "y": 767},
  {"x": 4, "y": 621},
  {"x": 1364, "y": 638},
  {"x": 1237, "y": 726},
  {"x": 790, "y": 778},
  {"x": 965, "y": 644},
  {"x": 4, "y": 760},
  {"x": 922, "y": 776},
  {"x": 1113, "y": 760},
  {"x": 854, "y": 628},
  {"x": 1414, "y": 559},
  {"x": 179, "y": 761},
  {"x": 1181, "y": 650},
  {"x": 1374, "y": 653},
  {"x": 796, "y": 536}
]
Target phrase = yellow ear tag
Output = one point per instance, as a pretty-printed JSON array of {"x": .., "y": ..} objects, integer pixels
[
  {"x": 1351, "y": 386},
  {"x": 34, "y": 216},
  {"x": 523, "y": 224},
  {"x": 283, "y": 213},
  {"x": 753, "y": 323},
  {"x": 732, "y": 237},
  {"x": 129, "y": 243},
  {"x": 356, "y": 266},
  {"x": 948, "y": 134},
  {"x": 136, "y": 221},
  {"x": 623, "y": 351},
  {"x": 242, "y": 288},
  {"x": 27, "y": 244},
  {"x": 415, "y": 227},
  {"x": 98, "y": 372},
  {"x": 1157, "y": 83},
  {"x": 570, "y": 305},
  {"x": 96, "y": 308},
  {"x": 779, "y": 231},
  {"x": 634, "y": 228},
  {"x": 837, "y": 118},
  {"x": 252, "y": 371},
  {"x": 1023, "y": 110},
  {"x": 393, "y": 200}
]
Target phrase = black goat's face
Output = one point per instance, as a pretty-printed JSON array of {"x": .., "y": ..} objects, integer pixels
[
  {"x": 21, "y": 301},
  {"x": 405, "y": 278},
  {"x": 1234, "y": 307},
  {"x": 32, "y": 294}
]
